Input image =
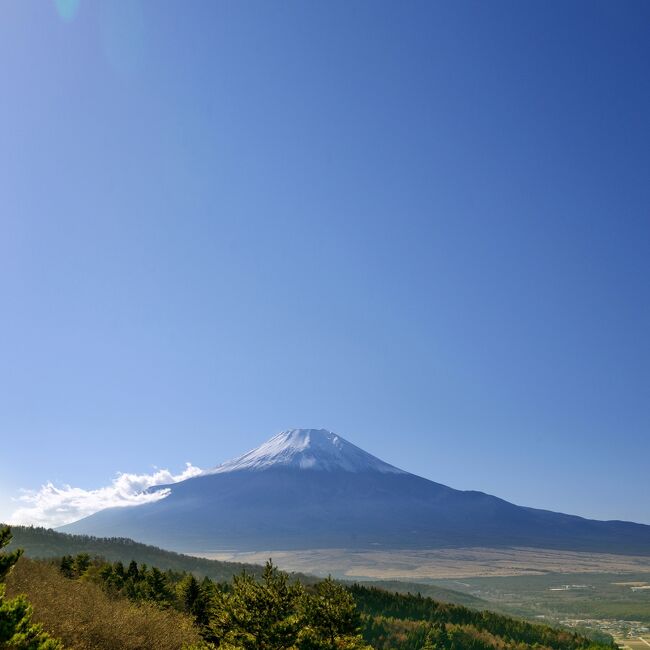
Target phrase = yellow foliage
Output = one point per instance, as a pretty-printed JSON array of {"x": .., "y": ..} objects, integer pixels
[{"x": 85, "y": 618}]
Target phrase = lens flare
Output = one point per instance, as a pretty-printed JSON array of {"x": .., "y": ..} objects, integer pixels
[{"x": 67, "y": 9}]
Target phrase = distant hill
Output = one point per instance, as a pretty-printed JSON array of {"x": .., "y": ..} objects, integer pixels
[
  {"x": 43, "y": 543},
  {"x": 311, "y": 489},
  {"x": 441, "y": 594}
]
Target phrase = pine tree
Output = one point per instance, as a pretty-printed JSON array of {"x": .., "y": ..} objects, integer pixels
[
  {"x": 7, "y": 560},
  {"x": 330, "y": 619},
  {"x": 158, "y": 588},
  {"x": 276, "y": 614},
  {"x": 256, "y": 615},
  {"x": 437, "y": 638},
  {"x": 67, "y": 566},
  {"x": 132, "y": 571},
  {"x": 195, "y": 599},
  {"x": 17, "y": 632},
  {"x": 81, "y": 563}
]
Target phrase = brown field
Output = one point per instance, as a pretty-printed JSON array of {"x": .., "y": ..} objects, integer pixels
[
  {"x": 441, "y": 563},
  {"x": 639, "y": 643}
]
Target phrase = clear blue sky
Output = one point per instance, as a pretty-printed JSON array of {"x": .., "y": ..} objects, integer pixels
[{"x": 425, "y": 226}]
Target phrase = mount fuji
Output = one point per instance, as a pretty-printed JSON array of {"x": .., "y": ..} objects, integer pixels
[{"x": 311, "y": 489}]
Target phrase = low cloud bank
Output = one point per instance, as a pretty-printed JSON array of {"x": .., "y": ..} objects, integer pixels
[{"x": 53, "y": 506}]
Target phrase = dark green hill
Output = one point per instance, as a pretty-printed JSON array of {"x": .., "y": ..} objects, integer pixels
[
  {"x": 46, "y": 543},
  {"x": 404, "y": 621},
  {"x": 441, "y": 594},
  {"x": 43, "y": 543}
]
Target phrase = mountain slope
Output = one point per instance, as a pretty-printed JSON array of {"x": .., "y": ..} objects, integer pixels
[
  {"x": 306, "y": 489},
  {"x": 309, "y": 449}
]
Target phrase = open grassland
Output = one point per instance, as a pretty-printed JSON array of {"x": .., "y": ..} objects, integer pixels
[
  {"x": 637, "y": 643},
  {"x": 437, "y": 564},
  {"x": 610, "y": 603},
  {"x": 572, "y": 596},
  {"x": 586, "y": 591}
]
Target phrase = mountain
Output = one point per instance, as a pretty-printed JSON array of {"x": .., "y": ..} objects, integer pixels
[
  {"x": 310, "y": 489},
  {"x": 313, "y": 449}
]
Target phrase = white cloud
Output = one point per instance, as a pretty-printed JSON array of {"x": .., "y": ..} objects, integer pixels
[{"x": 53, "y": 506}]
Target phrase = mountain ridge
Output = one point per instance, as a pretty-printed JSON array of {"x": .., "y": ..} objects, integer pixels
[
  {"x": 307, "y": 449},
  {"x": 310, "y": 488}
]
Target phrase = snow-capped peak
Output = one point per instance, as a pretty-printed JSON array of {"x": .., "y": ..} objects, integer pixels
[{"x": 308, "y": 449}]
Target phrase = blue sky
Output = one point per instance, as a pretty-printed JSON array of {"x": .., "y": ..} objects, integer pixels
[{"x": 424, "y": 226}]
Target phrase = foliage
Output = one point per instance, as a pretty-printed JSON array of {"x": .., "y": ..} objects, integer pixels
[
  {"x": 134, "y": 603},
  {"x": 273, "y": 611},
  {"x": 46, "y": 543},
  {"x": 257, "y": 614},
  {"x": 86, "y": 616},
  {"x": 16, "y": 628},
  {"x": 446, "y": 626},
  {"x": 248, "y": 613},
  {"x": 332, "y": 620}
]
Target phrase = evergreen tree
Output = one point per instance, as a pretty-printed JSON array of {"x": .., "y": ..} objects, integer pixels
[
  {"x": 158, "y": 589},
  {"x": 7, "y": 560},
  {"x": 437, "y": 638},
  {"x": 67, "y": 566},
  {"x": 330, "y": 619},
  {"x": 257, "y": 615},
  {"x": 276, "y": 614},
  {"x": 118, "y": 570},
  {"x": 17, "y": 632},
  {"x": 195, "y": 599},
  {"x": 132, "y": 571},
  {"x": 81, "y": 563}
]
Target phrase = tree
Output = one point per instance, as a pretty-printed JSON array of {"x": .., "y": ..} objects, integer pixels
[
  {"x": 330, "y": 619},
  {"x": 157, "y": 588},
  {"x": 67, "y": 566},
  {"x": 256, "y": 615},
  {"x": 81, "y": 563},
  {"x": 7, "y": 560},
  {"x": 17, "y": 632},
  {"x": 195, "y": 599},
  {"x": 437, "y": 638},
  {"x": 132, "y": 571},
  {"x": 277, "y": 614}
]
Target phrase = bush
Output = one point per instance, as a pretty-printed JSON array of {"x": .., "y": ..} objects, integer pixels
[{"x": 84, "y": 617}]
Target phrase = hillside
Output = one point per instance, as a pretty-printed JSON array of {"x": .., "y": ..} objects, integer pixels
[
  {"x": 85, "y": 617},
  {"x": 97, "y": 605},
  {"x": 47, "y": 543},
  {"x": 406, "y": 621}
]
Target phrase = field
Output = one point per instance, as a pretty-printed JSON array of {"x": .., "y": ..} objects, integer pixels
[
  {"x": 638, "y": 643},
  {"x": 570, "y": 596},
  {"x": 441, "y": 564},
  {"x": 585, "y": 591}
]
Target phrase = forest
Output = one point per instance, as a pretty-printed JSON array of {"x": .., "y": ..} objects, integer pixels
[{"x": 83, "y": 602}]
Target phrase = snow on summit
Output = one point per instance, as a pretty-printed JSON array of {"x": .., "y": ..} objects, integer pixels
[{"x": 308, "y": 449}]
